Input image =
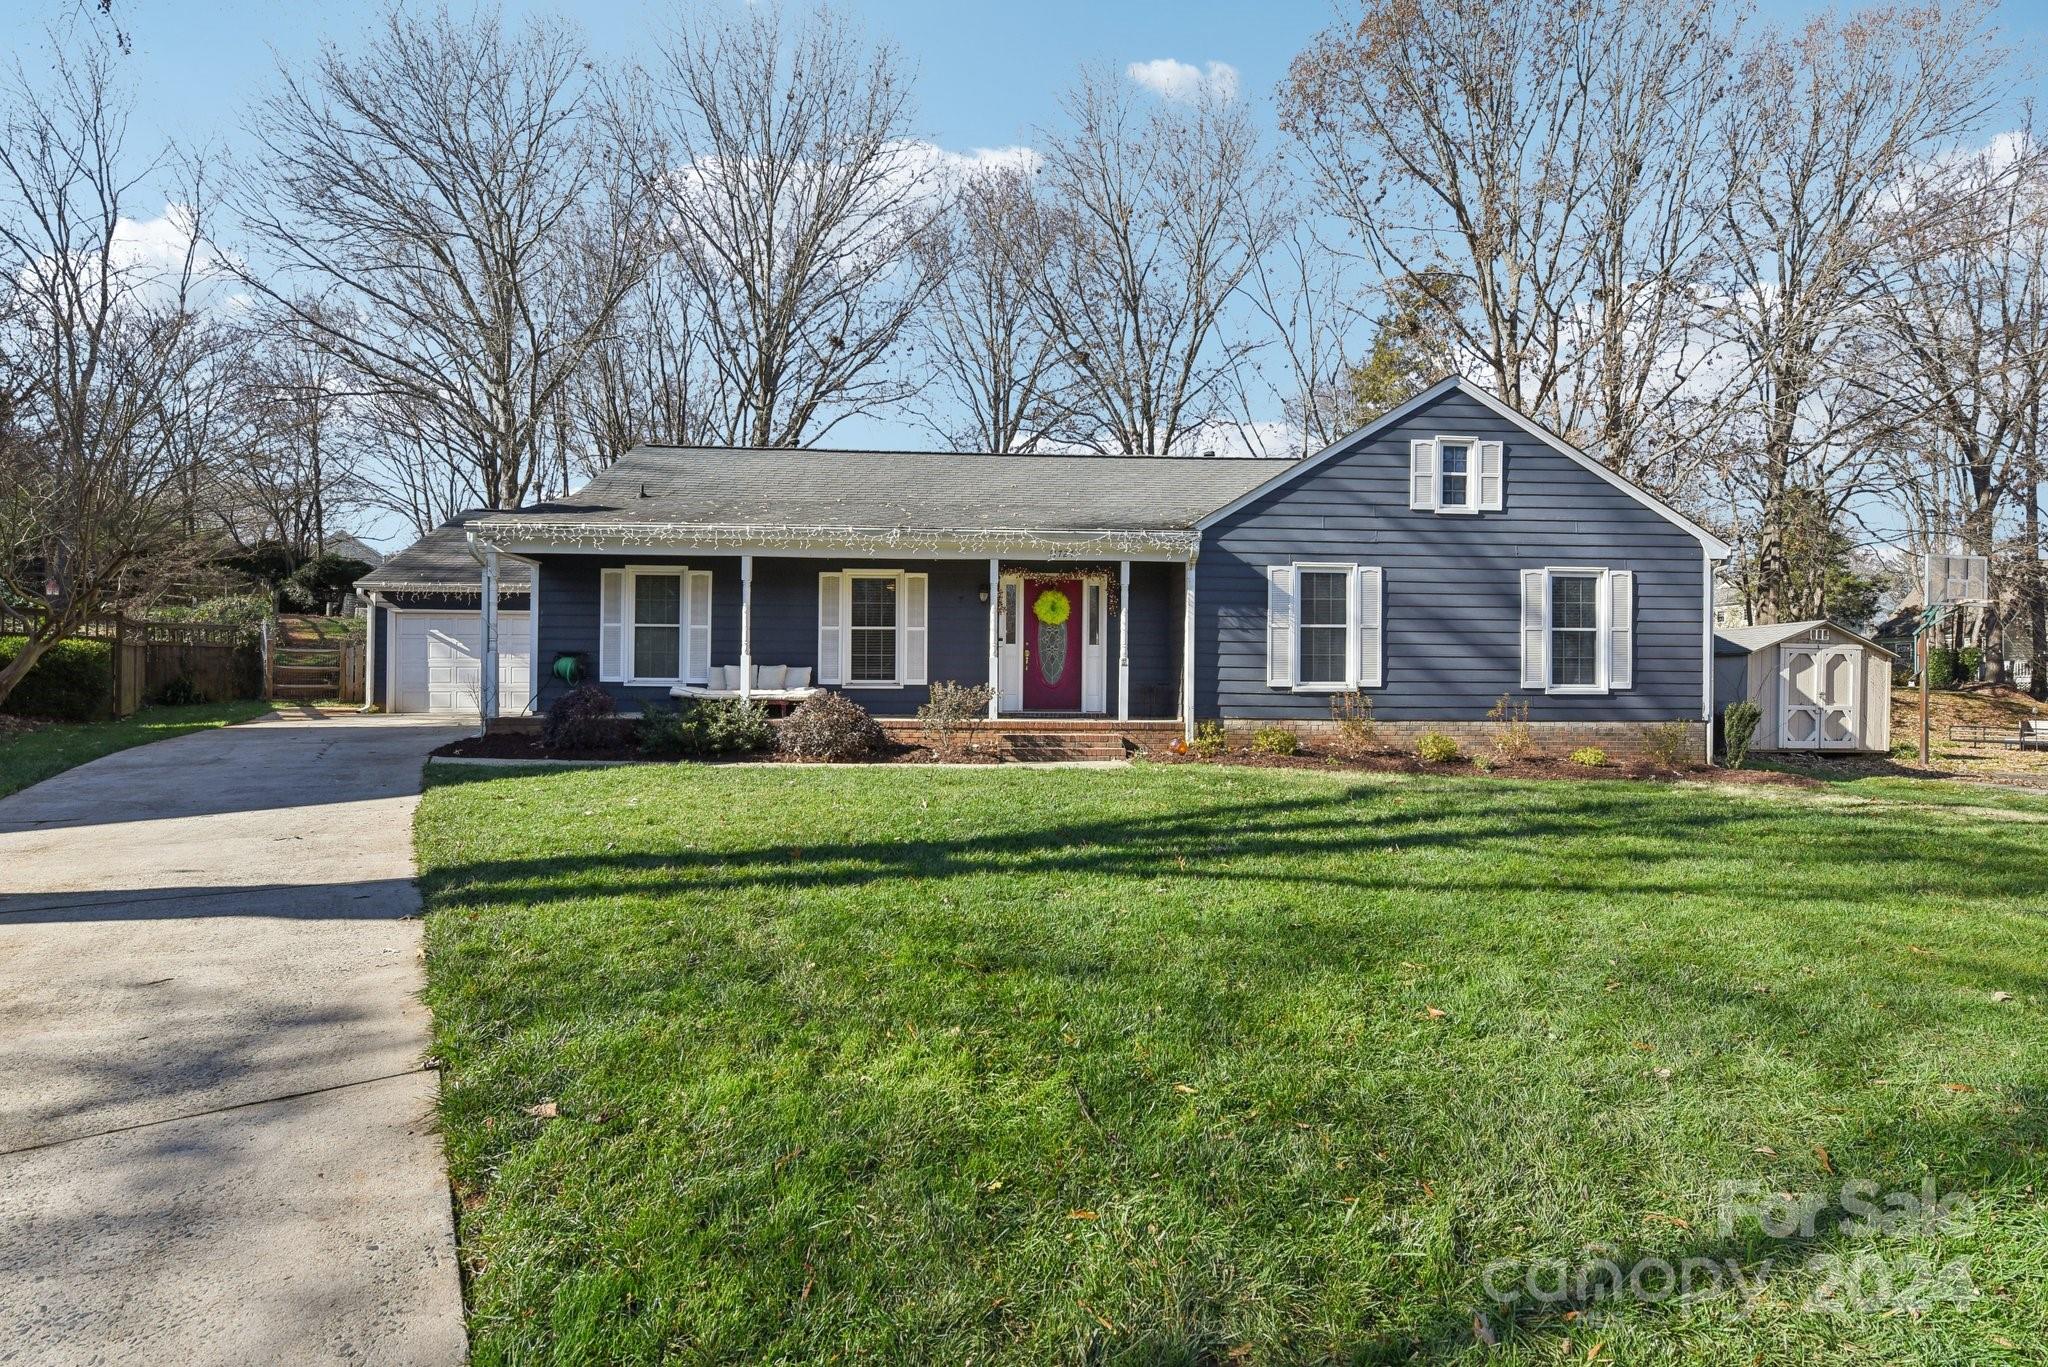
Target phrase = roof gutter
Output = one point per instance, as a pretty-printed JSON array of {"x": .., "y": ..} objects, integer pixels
[{"x": 595, "y": 535}]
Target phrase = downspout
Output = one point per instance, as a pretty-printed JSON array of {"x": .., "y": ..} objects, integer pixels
[{"x": 1707, "y": 646}]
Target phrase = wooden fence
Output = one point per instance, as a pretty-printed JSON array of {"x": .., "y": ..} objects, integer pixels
[{"x": 218, "y": 659}]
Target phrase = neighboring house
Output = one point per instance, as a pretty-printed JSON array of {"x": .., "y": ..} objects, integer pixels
[
  {"x": 351, "y": 547},
  {"x": 1818, "y": 685},
  {"x": 1450, "y": 553},
  {"x": 426, "y": 634}
]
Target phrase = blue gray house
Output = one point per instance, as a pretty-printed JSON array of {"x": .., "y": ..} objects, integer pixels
[{"x": 1450, "y": 553}]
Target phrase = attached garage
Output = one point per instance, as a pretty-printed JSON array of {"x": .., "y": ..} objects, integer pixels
[
  {"x": 426, "y": 629},
  {"x": 437, "y": 662},
  {"x": 1819, "y": 685}
]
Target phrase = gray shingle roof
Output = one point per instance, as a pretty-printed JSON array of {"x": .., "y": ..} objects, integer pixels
[
  {"x": 1746, "y": 640},
  {"x": 440, "y": 561},
  {"x": 903, "y": 490}
]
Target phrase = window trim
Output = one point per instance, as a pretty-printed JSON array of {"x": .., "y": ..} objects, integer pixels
[
  {"x": 896, "y": 630},
  {"x": 1436, "y": 458},
  {"x": 1350, "y": 574},
  {"x": 630, "y": 621},
  {"x": 1601, "y": 627}
]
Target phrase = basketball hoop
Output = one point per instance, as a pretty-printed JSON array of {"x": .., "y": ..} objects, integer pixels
[
  {"x": 1947, "y": 582},
  {"x": 1958, "y": 580}
]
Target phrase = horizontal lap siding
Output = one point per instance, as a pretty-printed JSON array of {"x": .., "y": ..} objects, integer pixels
[
  {"x": 786, "y": 623},
  {"x": 1452, "y": 582}
]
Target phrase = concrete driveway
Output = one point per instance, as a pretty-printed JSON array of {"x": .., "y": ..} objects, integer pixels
[{"x": 217, "y": 1139}]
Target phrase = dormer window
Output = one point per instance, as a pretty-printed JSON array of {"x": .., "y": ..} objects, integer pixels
[{"x": 1454, "y": 474}]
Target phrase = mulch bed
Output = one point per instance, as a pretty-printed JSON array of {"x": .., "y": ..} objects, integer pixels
[
  {"x": 528, "y": 746},
  {"x": 1535, "y": 767}
]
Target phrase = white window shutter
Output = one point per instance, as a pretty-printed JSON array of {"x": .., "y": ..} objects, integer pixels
[
  {"x": 611, "y": 628},
  {"x": 1280, "y": 626},
  {"x": 916, "y": 592},
  {"x": 1371, "y": 615},
  {"x": 830, "y": 670},
  {"x": 1422, "y": 475},
  {"x": 697, "y": 668},
  {"x": 1492, "y": 475},
  {"x": 1535, "y": 629},
  {"x": 1621, "y": 629}
]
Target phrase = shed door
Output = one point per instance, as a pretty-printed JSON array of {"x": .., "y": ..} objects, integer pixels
[
  {"x": 1819, "y": 688},
  {"x": 438, "y": 661}
]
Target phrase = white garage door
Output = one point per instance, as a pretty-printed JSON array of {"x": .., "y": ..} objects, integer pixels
[{"x": 438, "y": 662}]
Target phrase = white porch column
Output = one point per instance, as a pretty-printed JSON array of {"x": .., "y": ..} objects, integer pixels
[
  {"x": 1123, "y": 640},
  {"x": 489, "y": 588},
  {"x": 369, "y": 652},
  {"x": 1187, "y": 660},
  {"x": 746, "y": 626},
  {"x": 995, "y": 650}
]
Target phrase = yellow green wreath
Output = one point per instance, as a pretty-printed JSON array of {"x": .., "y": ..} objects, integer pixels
[{"x": 1052, "y": 607}]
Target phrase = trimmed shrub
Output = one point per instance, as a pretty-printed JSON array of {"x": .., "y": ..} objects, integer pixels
[
  {"x": 73, "y": 681},
  {"x": 830, "y": 726},
  {"x": 1944, "y": 667},
  {"x": 1210, "y": 740},
  {"x": 1738, "y": 727},
  {"x": 584, "y": 718},
  {"x": 1436, "y": 748},
  {"x": 1513, "y": 737},
  {"x": 954, "y": 708},
  {"x": 1668, "y": 744},
  {"x": 1275, "y": 740},
  {"x": 1969, "y": 664},
  {"x": 1591, "y": 756},
  {"x": 721, "y": 726},
  {"x": 1357, "y": 732}
]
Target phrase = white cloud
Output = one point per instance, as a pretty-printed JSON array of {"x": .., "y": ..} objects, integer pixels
[{"x": 1182, "y": 81}]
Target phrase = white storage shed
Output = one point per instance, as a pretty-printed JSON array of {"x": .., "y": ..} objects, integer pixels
[{"x": 1820, "y": 685}]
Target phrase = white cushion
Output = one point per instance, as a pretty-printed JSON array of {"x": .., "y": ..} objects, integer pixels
[
  {"x": 797, "y": 677},
  {"x": 725, "y": 676},
  {"x": 769, "y": 676}
]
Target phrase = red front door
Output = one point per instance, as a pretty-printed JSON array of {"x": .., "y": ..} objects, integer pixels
[{"x": 1052, "y": 645}]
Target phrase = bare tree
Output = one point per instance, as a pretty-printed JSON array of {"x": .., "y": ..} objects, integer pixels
[
  {"x": 996, "y": 362},
  {"x": 1963, "y": 304},
  {"x": 100, "y": 340},
  {"x": 1300, "y": 289},
  {"x": 1159, "y": 208},
  {"x": 1837, "y": 131},
  {"x": 647, "y": 381},
  {"x": 444, "y": 217},
  {"x": 1547, "y": 159},
  {"x": 797, "y": 212}
]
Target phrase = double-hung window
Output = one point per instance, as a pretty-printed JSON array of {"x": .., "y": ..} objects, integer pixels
[
  {"x": 872, "y": 628},
  {"x": 1456, "y": 475},
  {"x": 1575, "y": 630},
  {"x": 1578, "y": 629},
  {"x": 657, "y": 626},
  {"x": 654, "y": 624},
  {"x": 871, "y": 623},
  {"x": 1323, "y": 627}
]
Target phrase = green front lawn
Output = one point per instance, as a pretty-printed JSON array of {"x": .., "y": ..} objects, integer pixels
[
  {"x": 33, "y": 756},
  {"x": 1206, "y": 1064}
]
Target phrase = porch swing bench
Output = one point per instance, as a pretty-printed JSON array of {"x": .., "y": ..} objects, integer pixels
[{"x": 775, "y": 686}]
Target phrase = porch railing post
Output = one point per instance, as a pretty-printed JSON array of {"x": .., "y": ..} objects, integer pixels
[
  {"x": 746, "y": 626},
  {"x": 1123, "y": 640},
  {"x": 488, "y": 587},
  {"x": 995, "y": 652}
]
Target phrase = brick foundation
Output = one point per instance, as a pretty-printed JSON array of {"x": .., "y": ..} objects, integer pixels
[{"x": 1621, "y": 740}]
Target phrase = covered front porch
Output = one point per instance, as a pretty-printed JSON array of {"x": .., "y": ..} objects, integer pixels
[{"x": 1079, "y": 638}]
